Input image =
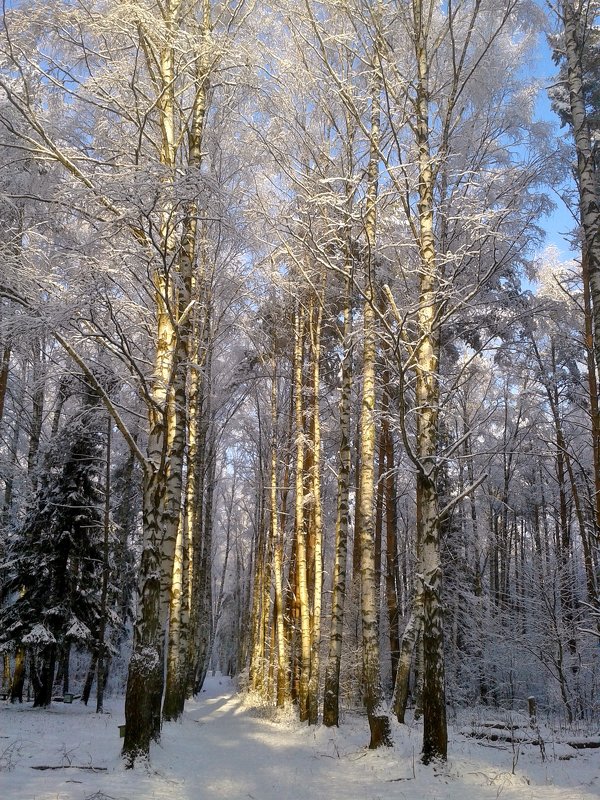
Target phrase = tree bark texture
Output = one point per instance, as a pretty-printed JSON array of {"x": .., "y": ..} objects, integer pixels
[
  {"x": 379, "y": 723},
  {"x": 574, "y": 26},
  {"x": 429, "y": 568},
  {"x": 331, "y": 698}
]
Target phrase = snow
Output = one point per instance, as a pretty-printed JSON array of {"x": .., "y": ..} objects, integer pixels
[
  {"x": 78, "y": 630},
  {"x": 39, "y": 634},
  {"x": 227, "y": 748}
]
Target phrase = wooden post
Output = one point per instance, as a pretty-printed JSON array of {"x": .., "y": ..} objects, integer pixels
[{"x": 531, "y": 705}]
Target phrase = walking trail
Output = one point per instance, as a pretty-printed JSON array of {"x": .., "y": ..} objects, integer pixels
[{"x": 227, "y": 749}]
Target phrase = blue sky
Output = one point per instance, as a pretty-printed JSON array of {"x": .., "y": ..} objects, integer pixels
[{"x": 558, "y": 224}]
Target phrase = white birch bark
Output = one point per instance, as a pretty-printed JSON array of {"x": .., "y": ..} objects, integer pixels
[
  {"x": 277, "y": 544},
  {"x": 429, "y": 569},
  {"x": 379, "y": 723},
  {"x": 331, "y": 699},
  {"x": 317, "y": 514},
  {"x": 299, "y": 516}
]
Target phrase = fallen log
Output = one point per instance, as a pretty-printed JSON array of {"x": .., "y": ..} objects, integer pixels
[
  {"x": 585, "y": 744},
  {"x": 497, "y": 735},
  {"x": 70, "y": 766}
]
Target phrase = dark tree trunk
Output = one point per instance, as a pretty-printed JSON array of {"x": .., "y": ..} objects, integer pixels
[
  {"x": 43, "y": 665},
  {"x": 145, "y": 678},
  {"x": 89, "y": 678},
  {"x": 18, "y": 681}
]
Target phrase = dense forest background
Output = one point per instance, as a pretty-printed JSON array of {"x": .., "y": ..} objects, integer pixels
[{"x": 290, "y": 386}]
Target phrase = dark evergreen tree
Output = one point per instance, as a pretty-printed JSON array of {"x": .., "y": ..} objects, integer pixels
[{"x": 53, "y": 572}]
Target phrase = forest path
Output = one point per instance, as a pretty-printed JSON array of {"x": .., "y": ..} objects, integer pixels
[{"x": 226, "y": 749}]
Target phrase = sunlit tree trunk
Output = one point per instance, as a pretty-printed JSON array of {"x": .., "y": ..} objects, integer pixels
[
  {"x": 379, "y": 723},
  {"x": 429, "y": 568},
  {"x": 166, "y": 443},
  {"x": 299, "y": 516},
  {"x": 316, "y": 520},
  {"x": 277, "y": 546},
  {"x": 257, "y": 671},
  {"x": 174, "y": 284},
  {"x": 291, "y": 617},
  {"x": 178, "y": 649}
]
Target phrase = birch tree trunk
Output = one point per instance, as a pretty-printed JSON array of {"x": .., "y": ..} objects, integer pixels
[
  {"x": 429, "y": 569},
  {"x": 391, "y": 549},
  {"x": 199, "y": 516},
  {"x": 277, "y": 545},
  {"x": 574, "y": 19},
  {"x": 163, "y": 479},
  {"x": 103, "y": 651},
  {"x": 257, "y": 653},
  {"x": 331, "y": 699},
  {"x": 317, "y": 513},
  {"x": 205, "y": 628},
  {"x": 299, "y": 516},
  {"x": 178, "y": 650},
  {"x": 379, "y": 723},
  {"x": 409, "y": 639},
  {"x": 4, "y": 365},
  {"x": 594, "y": 412},
  {"x": 145, "y": 678}
]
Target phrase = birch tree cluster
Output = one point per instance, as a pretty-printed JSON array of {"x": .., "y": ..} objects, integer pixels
[{"x": 290, "y": 385}]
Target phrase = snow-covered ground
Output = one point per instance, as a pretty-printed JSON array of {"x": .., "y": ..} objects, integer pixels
[{"x": 224, "y": 748}]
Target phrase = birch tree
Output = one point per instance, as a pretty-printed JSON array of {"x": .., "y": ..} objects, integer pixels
[
  {"x": 440, "y": 100},
  {"x": 153, "y": 77},
  {"x": 575, "y": 45}
]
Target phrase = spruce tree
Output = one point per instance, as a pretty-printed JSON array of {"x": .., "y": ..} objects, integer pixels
[{"x": 53, "y": 572}]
